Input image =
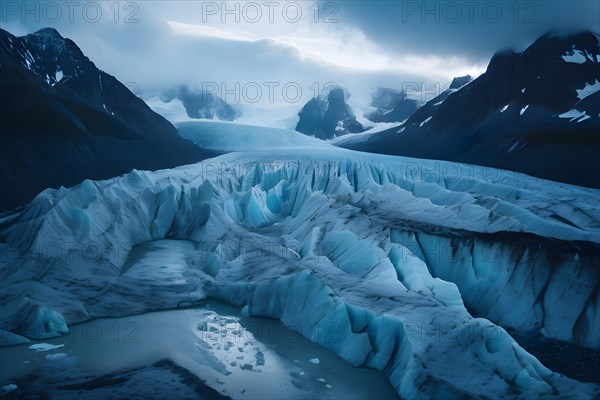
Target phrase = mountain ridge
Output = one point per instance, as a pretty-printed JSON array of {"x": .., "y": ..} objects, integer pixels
[
  {"x": 536, "y": 111},
  {"x": 65, "y": 120},
  {"x": 328, "y": 116}
]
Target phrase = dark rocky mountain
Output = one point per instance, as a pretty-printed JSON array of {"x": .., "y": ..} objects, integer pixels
[
  {"x": 64, "y": 120},
  {"x": 537, "y": 112},
  {"x": 427, "y": 109},
  {"x": 328, "y": 116},
  {"x": 459, "y": 82},
  {"x": 391, "y": 106},
  {"x": 200, "y": 104}
]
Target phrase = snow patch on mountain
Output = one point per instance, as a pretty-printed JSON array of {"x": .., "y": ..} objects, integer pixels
[
  {"x": 575, "y": 56},
  {"x": 173, "y": 110},
  {"x": 574, "y": 115},
  {"x": 375, "y": 128},
  {"x": 80, "y": 119},
  {"x": 285, "y": 117},
  {"x": 183, "y": 103},
  {"x": 426, "y": 120},
  {"x": 477, "y": 122},
  {"x": 588, "y": 90}
]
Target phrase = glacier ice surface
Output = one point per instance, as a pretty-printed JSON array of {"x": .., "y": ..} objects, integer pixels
[{"x": 376, "y": 258}]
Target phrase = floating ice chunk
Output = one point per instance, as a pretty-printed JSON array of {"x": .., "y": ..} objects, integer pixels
[
  {"x": 321, "y": 380},
  {"x": 45, "y": 346},
  {"x": 588, "y": 90},
  {"x": 504, "y": 108},
  {"x": 328, "y": 386},
  {"x": 59, "y": 75},
  {"x": 523, "y": 109},
  {"x": 42, "y": 323},
  {"x": 400, "y": 130},
  {"x": 314, "y": 360},
  {"x": 523, "y": 90}
]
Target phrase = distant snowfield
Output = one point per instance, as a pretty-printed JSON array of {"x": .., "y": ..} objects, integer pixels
[
  {"x": 234, "y": 136},
  {"x": 278, "y": 127},
  {"x": 360, "y": 137},
  {"x": 173, "y": 111},
  {"x": 374, "y": 257},
  {"x": 281, "y": 117},
  {"x": 284, "y": 117}
]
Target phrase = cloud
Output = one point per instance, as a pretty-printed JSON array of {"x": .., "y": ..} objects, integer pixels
[
  {"x": 357, "y": 44},
  {"x": 205, "y": 32},
  {"x": 470, "y": 29},
  {"x": 342, "y": 51}
]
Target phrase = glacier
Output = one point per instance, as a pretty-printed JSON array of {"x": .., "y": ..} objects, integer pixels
[
  {"x": 412, "y": 267},
  {"x": 223, "y": 137}
]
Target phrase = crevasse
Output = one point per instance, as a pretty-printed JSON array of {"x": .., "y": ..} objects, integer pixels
[{"x": 407, "y": 266}]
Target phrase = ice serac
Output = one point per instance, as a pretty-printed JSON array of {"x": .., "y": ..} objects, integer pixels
[
  {"x": 64, "y": 120},
  {"x": 536, "y": 111},
  {"x": 377, "y": 258}
]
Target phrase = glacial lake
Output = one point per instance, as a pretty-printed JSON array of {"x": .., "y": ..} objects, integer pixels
[{"x": 242, "y": 357}]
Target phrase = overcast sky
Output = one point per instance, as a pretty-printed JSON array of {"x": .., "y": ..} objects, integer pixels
[{"x": 281, "y": 47}]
